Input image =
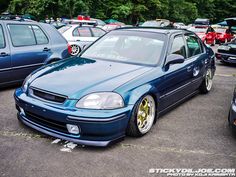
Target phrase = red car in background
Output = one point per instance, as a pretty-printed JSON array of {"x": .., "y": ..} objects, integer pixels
[
  {"x": 206, "y": 33},
  {"x": 223, "y": 35}
]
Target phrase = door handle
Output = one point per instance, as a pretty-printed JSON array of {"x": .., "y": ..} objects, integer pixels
[
  {"x": 46, "y": 49},
  {"x": 3, "y": 54},
  {"x": 189, "y": 68}
]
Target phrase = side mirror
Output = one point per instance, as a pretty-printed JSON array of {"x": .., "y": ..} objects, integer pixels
[{"x": 174, "y": 59}]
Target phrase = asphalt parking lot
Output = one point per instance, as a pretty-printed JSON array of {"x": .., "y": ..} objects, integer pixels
[{"x": 193, "y": 135}]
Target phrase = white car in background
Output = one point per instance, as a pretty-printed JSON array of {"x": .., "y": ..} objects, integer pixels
[{"x": 79, "y": 35}]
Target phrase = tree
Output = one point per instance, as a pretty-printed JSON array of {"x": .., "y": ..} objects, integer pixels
[
  {"x": 72, "y": 7},
  {"x": 4, "y": 5},
  {"x": 129, "y": 11},
  {"x": 182, "y": 11}
]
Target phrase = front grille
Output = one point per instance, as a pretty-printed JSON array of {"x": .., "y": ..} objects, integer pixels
[
  {"x": 48, "y": 96},
  {"x": 49, "y": 123}
]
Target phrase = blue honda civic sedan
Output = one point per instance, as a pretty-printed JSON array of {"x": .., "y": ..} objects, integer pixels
[{"x": 117, "y": 86}]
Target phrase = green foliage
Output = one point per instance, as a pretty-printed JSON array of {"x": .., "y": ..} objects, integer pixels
[
  {"x": 128, "y": 11},
  {"x": 182, "y": 11}
]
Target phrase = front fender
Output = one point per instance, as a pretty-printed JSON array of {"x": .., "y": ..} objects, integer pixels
[{"x": 134, "y": 95}]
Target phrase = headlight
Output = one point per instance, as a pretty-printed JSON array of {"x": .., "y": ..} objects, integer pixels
[
  {"x": 26, "y": 83},
  {"x": 101, "y": 100}
]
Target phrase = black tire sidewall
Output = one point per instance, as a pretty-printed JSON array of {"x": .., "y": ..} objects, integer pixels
[
  {"x": 132, "y": 128},
  {"x": 203, "y": 87}
]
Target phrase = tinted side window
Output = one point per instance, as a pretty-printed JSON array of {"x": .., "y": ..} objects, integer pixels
[
  {"x": 178, "y": 46},
  {"x": 97, "y": 32},
  {"x": 2, "y": 40},
  {"x": 193, "y": 45},
  {"x": 82, "y": 32},
  {"x": 41, "y": 38},
  {"x": 22, "y": 35}
]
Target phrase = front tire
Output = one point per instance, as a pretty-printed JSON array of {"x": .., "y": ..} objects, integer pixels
[
  {"x": 207, "y": 82},
  {"x": 143, "y": 117}
]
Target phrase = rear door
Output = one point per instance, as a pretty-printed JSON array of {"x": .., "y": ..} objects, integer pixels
[
  {"x": 5, "y": 58},
  {"x": 30, "y": 48},
  {"x": 198, "y": 58}
]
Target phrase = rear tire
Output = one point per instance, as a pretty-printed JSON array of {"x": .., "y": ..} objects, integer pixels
[
  {"x": 143, "y": 117},
  {"x": 207, "y": 82}
]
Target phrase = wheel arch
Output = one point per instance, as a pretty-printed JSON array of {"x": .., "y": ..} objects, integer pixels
[{"x": 136, "y": 94}]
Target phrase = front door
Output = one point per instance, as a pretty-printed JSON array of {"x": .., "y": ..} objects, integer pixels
[{"x": 177, "y": 79}]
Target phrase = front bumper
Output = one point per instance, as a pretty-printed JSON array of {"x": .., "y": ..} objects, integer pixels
[
  {"x": 232, "y": 116},
  {"x": 228, "y": 58},
  {"x": 97, "y": 127}
]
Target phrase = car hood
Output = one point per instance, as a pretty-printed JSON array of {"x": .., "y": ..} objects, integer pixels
[{"x": 79, "y": 76}]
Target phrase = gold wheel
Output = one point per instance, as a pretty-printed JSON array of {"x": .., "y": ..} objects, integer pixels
[{"x": 146, "y": 114}]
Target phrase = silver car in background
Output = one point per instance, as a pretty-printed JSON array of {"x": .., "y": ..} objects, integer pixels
[{"x": 80, "y": 35}]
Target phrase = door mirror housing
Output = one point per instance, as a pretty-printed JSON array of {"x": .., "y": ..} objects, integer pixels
[{"x": 174, "y": 59}]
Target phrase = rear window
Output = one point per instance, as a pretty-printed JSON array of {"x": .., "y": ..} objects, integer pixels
[
  {"x": 2, "y": 40},
  {"x": 22, "y": 35}
]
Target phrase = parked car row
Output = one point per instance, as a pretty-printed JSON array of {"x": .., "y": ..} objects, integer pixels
[{"x": 212, "y": 36}]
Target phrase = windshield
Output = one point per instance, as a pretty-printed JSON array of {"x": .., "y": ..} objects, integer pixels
[
  {"x": 128, "y": 46},
  {"x": 64, "y": 28},
  {"x": 155, "y": 23},
  {"x": 198, "y": 30}
]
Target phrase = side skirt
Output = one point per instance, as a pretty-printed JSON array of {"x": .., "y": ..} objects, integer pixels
[{"x": 164, "y": 111}]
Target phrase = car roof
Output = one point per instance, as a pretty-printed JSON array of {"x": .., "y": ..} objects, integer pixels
[
  {"x": 167, "y": 30},
  {"x": 19, "y": 21}
]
